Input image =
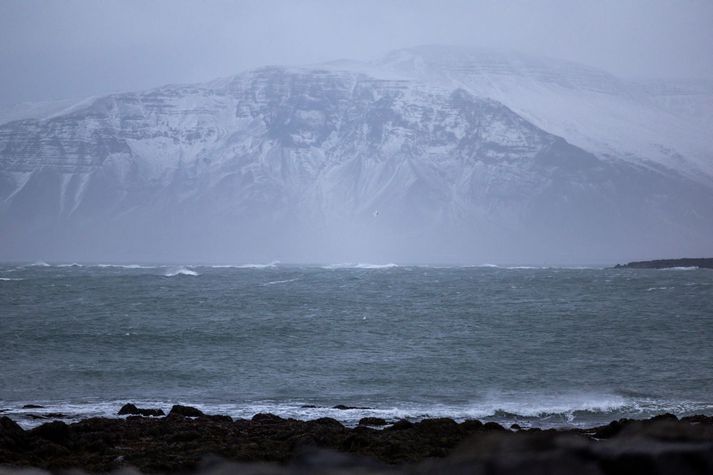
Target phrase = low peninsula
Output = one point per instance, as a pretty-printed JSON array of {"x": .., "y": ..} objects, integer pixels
[{"x": 700, "y": 262}]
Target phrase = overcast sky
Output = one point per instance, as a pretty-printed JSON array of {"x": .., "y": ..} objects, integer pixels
[{"x": 52, "y": 49}]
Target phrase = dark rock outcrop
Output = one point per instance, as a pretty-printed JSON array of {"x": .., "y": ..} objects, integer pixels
[
  {"x": 131, "y": 409},
  {"x": 372, "y": 421},
  {"x": 702, "y": 263},
  {"x": 185, "y": 411},
  {"x": 661, "y": 445}
]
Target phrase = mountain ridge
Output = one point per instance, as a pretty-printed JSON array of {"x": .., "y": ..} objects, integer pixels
[{"x": 328, "y": 164}]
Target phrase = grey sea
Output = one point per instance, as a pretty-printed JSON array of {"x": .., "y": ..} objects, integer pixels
[{"x": 534, "y": 346}]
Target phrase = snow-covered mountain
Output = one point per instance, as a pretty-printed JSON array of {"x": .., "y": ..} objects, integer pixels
[
  {"x": 429, "y": 154},
  {"x": 665, "y": 122}
]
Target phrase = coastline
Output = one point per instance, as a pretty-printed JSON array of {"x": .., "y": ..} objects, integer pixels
[
  {"x": 682, "y": 263},
  {"x": 186, "y": 440}
]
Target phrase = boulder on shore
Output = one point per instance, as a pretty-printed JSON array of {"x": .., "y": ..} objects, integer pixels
[
  {"x": 131, "y": 410},
  {"x": 185, "y": 411}
]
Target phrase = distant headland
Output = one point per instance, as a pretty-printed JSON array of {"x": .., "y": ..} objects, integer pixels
[{"x": 702, "y": 263}]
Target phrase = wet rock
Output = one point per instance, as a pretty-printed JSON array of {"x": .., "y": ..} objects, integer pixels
[
  {"x": 55, "y": 415},
  {"x": 662, "y": 445},
  {"x": 49, "y": 415},
  {"x": 12, "y": 436},
  {"x": 471, "y": 425},
  {"x": 308, "y": 406},
  {"x": 342, "y": 407},
  {"x": 185, "y": 411},
  {"x": 220, "y": 418},
  {"x": 442, "y": 424},
  {"x": 131, "y": 409},
  {"x": 8, "y": 426},
  {"x": 266, "y": 417},
  {"x": 667, "y": 429},
  {"x": 327, "y": 421},
  {"x": 401, "y": 424},
  {"x": 372, "y": 421},
  {"x": 663, "y": 417},
  {"x": 56, "y": 431},
  {"x": 698, "y": 419},
  {"x": 494, "y": 426},
  {"x": 610, "y": 430},
  {"x": 32, "y": 406}
]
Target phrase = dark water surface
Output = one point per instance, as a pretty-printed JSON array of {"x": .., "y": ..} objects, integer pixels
[{"x": 535, "y": 346}]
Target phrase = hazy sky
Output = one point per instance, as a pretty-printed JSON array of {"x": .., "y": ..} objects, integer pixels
[{"x": 51, "y": 49}]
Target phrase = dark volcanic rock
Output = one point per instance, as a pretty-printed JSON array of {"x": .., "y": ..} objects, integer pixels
[
  {"x": 8, "y": 426},
  {"x": 185, "y": 411},
  {"x": 267, "y": 418},
  {"x": 661, "y": 445},
  {"x": 56, "y": 431},
  {"x": 49, "y": 415},
  {"x": 401, "y": 425},
  {"x": 12, "y": 437},
  {"x": 372, "y": 421},
  {"x": 130, "y": 409},
  {"x": 342, "y": 407},
  {"x": 32, "y": 406},
  {"x": 698, "y": 419}
]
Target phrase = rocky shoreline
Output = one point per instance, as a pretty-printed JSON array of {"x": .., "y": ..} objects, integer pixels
[{"x": 186, "y": 440}]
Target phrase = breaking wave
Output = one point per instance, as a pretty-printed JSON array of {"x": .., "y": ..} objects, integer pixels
[
  {"x": 181, "y": 271},
  {"x": 555, "y": 412},
  {"x": 360, "y": 266},
  {"x": 126, "y": 266},
  {"x": 38, "y": 264},
  {"x": 270, "y": 265}
]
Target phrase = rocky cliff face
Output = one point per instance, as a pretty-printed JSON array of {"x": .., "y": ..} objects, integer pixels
[{"x": 326, "y": 164}]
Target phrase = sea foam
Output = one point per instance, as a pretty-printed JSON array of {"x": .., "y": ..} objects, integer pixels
[
  {"x": 360, "y": 266},
  {"x": 270, "y": 265},
  {"x": 181, "y": 271}
]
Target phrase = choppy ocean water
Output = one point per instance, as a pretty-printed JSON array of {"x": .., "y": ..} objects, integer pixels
[{"x": 533, "y": 346}]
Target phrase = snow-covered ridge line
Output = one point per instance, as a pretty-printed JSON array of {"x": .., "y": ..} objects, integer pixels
[{"x": 276, "y": 158}]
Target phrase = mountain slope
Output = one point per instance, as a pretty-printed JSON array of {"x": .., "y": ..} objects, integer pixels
[
  {"x": 665, "y": 123},
  {"x": 308, "y": 164}
]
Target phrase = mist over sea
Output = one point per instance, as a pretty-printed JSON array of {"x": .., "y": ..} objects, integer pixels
[{"x": 534, "y": 346}]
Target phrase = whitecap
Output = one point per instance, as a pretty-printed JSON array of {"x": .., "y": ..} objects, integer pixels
[
  {"x": 8, "y": 279},
  {"x": 270, "y": 265},
  {"x": 376, "y": 266},
  {"x": 360, "y": 266},
  {"x": 38, "y": 264},
  {"x": 181, "y": 271},
  {"x": 681, "y": 268},
  {"x": 275, "y": 282},
  {"x": 126, "y": 266}
]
